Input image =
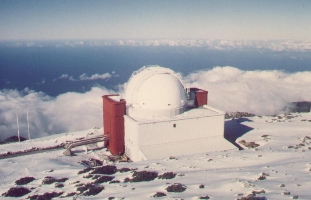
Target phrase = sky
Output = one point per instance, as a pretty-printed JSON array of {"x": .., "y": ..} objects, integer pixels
[{"x": 140, "y": 19}]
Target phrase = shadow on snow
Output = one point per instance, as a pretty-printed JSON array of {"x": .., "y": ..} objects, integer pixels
[{"x": 235, "y": 129}]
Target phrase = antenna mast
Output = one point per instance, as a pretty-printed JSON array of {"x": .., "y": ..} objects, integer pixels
[
  {"x": 28, "y": 126},
  {"x": 17, "y": 128}
]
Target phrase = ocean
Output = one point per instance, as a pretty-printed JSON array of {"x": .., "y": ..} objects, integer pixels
[{"x": 56, "y": 70}]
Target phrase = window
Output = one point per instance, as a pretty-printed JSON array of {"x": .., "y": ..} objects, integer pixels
[{"x": 174, "y": 125}]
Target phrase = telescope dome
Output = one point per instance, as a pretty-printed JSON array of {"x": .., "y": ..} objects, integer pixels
[{"x": 155, "y": 92}]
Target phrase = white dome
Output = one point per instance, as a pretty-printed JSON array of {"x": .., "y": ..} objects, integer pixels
[{"x": 155, "y": 92}]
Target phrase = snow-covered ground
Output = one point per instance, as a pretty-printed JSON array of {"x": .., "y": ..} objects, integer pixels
[{"x": 280, "y": 168}]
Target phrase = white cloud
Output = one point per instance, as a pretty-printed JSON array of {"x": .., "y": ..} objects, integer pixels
[
  {"x": 67, "y": 112},
  {"x": 64, "y": 76},
  {"x": 259, "y": 92},
  {"x": 84, "y": 77}
]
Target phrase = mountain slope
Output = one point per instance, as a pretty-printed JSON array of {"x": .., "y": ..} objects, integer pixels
[{"x": 279, "y": 168}]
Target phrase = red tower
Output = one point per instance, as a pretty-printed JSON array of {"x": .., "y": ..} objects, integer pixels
[
  {"x": 201, "y": 97},
  {"x": 113, "y": 120}
]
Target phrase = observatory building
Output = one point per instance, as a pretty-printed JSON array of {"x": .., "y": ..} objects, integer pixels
[{"x": 160, "y": 117}]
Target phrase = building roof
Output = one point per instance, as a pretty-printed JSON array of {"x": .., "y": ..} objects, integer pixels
[{"x": 204, "y": 111}]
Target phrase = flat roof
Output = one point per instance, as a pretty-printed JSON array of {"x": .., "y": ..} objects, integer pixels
[{"x": 200, "y": 112}]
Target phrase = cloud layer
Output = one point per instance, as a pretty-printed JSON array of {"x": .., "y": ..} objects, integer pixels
[
  {"x": 230, "y": 89},
  {"x": 262, "y": 45},
  {"x": 65, "y": 113},
  {"x": 259, "y": 92}
]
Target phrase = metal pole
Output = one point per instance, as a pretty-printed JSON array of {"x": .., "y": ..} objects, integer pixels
[
  {"x": 17, "y": 128},
  {"x": 28, "y": 126}
]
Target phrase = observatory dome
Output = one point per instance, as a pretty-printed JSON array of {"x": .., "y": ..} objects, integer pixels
[{"x": 155, "y": 92}]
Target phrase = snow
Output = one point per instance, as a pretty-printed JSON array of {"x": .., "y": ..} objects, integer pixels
[{"x": 283, "y": 157}]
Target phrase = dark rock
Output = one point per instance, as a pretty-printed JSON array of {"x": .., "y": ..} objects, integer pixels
[
  {"x": 176, "y": 188},
  {"x": 167, "y": 175},
  {"x": 249, "y": 144},
  {"x": 286, "y": 193},
  {"x": 24, "y": 180},
  {"x": 107, "y": 169},
  {"x": 204, "y": 197},
  {"x": 262, "y": 177},
  {"x": 90, "y": 189},
  {"x": 93, "y": 191},
  {"x": 91, "y": 162},
  {"x": 114, "y": 181},
  {"x": 61, "y": 180},
  {"x": 84, "y": 187},
  {"x": 173, "y": 158},
  {"x": 85, "y": 170},
  {"x": 59, "y": 185},
  {"x": 159, "y": 194},
  {"x": 104, "y": 179},
  {"x": 50, "y": 180},
  {"x": 300, "y": 106},
  {"x": 232, "y": 115},
  {"x": 124, "y": 169},
  {"x": 144, "y": 176},
  {"x": 96, "y": 162},
  {"x": 16, "y": 192},
  {"x": 253, "y": 198},
  {"x": 45, "y": 196}
]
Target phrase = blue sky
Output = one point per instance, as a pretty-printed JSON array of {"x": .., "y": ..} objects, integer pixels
[{"x": 142, "y": 19}]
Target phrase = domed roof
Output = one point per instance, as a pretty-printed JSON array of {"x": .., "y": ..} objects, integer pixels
[{"x": 155, "y": 92}]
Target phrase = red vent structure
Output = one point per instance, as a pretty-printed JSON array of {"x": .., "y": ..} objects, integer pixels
[
  {"x": 198, "y": 96},
  {"x": 201, "y": 97},
  {"x": 113, "y": 120}
]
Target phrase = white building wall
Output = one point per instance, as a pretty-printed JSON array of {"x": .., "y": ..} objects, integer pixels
[
  {"x": 185, "y": 129},
  {"x": 131, "y": 138},
  {"x": 158, "y": 139}
]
